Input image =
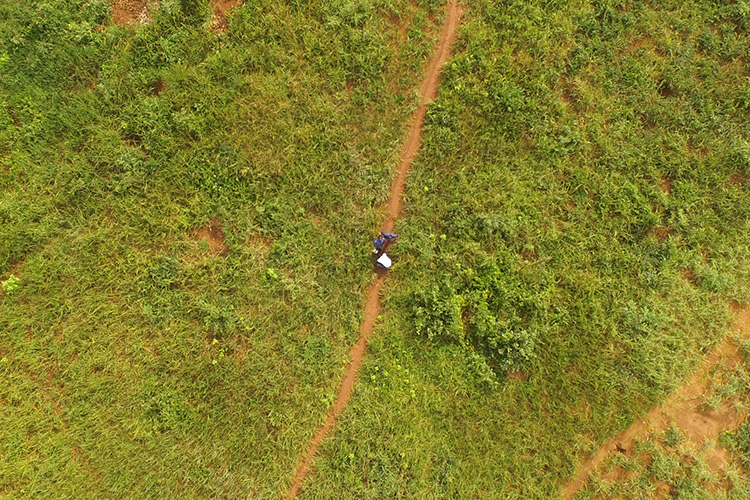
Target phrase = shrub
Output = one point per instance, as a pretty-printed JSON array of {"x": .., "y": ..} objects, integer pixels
[
  {"x": 164, "y": 273},
  {"x": 437, "y": 314},
  {"x": 492, "y": 313},
  {"x": 742, "y": 442}
]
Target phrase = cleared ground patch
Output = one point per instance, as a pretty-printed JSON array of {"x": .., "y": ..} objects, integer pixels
[
  {"x": 129, "y": 11},
  {"x": 213, "y": 235},
  {"x": 220, "y": 10},
  {"x": 695, "y": 415}
]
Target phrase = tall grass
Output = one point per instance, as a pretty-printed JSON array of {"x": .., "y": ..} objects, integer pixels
[
  {"x": 136, "y": 363},
  {"x": 592, "y": 153}
]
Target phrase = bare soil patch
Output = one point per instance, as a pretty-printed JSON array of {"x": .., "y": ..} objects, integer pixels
[
  {"x": 665, "y": 185},
  {"x": 427, "y": 92},
  {"x": 158, "y": 87},
  {"x": 221, "y": 8},
  {"x": 684, "y": 410},
  {"x": 129, "y": 11},
  {"x": 739, "y": 179},
  {"x": 665, "y": 89},
  {"x": 662, "y": 233},
  {"x": 529, "y": 254},
  {"x": 518, "y": 376},
  {"x": 568, "y": 94},
  {"x": 242, "y": 347},
  {"x": 646, "y": 43},
  {"x": 213, "y": 234},
  {"x": 688, "y": 274}
]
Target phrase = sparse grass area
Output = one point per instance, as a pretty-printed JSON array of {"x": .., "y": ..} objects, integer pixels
[
  {"x": 576, "y": 224},
  {"x": 661, "y": 468},
  {"x": 139, "y": 361},
  {"x": 675, "y": 463}
]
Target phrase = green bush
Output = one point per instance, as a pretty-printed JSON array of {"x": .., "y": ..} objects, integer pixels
[
  {"x": 742, "y": 442},
  {"x": 437, "y": 314},
  {"x": 11, "y": 285},
  {"x": 491, "y": 312}
]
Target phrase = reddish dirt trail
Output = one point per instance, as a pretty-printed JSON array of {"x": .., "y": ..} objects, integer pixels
[
  {"x": 427, "y": 92},
  {"x": 684, "y": 410}
]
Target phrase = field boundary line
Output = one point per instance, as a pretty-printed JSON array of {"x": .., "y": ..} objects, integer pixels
[{"x": 427, "y": 92}]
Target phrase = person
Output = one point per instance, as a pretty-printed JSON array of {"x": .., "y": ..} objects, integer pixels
[
  {"x": 379, "y": 242},
  {"x": 389, "y": 236},
  {"x": 382, "y": 242}
]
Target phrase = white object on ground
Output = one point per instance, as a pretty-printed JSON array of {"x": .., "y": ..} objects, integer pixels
[{"x": 384, "y": 261}]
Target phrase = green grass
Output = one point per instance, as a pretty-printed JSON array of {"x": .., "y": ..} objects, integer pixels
[
  {"x": 544, "y": 161},
  {"x": 136, "y": 364},
  {"x": 546, "y": 293}
]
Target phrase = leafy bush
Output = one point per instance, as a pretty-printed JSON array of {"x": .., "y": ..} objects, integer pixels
[
  {"x": 742, "y": 442},
  {"x": 437, "y": 314},
  {"x": 491, "y": 312},
  {"x": 163, "y": 273}
]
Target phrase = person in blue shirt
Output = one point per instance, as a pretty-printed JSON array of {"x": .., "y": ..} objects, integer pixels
[
  {"x": 379, "y": 242},
  {"x": 384, "y": 239}
]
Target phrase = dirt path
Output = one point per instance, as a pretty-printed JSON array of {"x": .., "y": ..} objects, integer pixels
[
  {"x": 427, "y": 92},
  {"x": 684, "y": 410}
]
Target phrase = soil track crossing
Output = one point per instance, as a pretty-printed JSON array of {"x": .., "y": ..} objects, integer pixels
[
  {"x": 427, "y": 92},
  {"x": 681, "y": 408}
]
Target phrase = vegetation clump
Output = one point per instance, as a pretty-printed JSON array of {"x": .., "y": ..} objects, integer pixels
[{"x": 486, "y": 310}]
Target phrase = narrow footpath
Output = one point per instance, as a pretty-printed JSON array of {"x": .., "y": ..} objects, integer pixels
[
  {"x": 427, "y": 92},
  {"x": 682, "y": 409}
]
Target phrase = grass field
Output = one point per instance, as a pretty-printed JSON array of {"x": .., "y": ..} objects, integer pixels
[
  {"x": 186, "y": 213},
  {"x": 576, "y": 227},
  {"x": 140, "y": 359}
]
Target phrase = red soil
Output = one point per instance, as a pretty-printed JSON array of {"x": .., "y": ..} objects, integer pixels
[
  {"x": 427, "y": 92},
  {"x": 684, "y": 410},
  {"x": 128, "y": 11},
  {"x": 221, "y": 8},
  {"x": 213, "y": 234}
]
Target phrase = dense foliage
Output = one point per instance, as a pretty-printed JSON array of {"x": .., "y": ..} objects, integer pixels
[{"x": 486, "y": 309}]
